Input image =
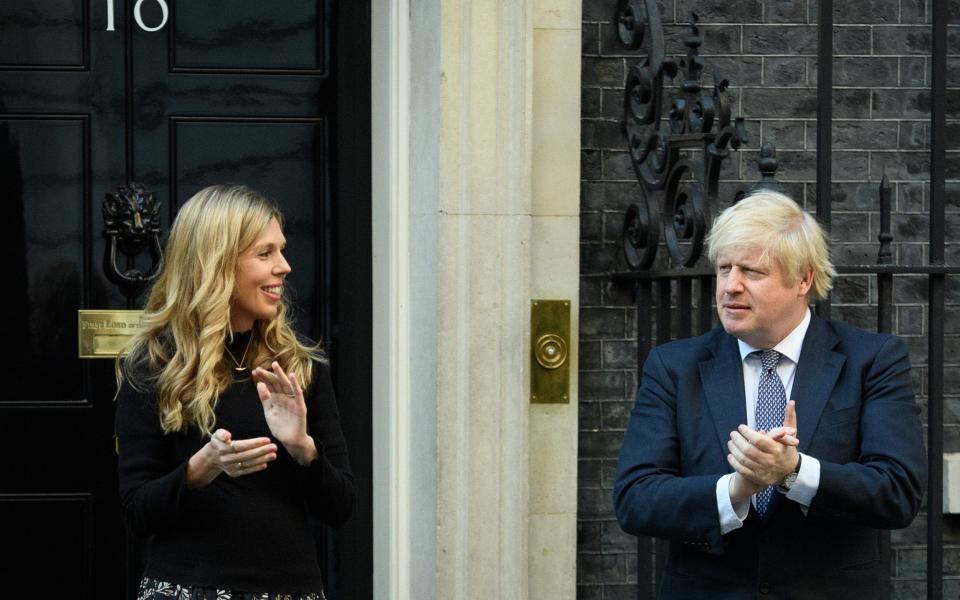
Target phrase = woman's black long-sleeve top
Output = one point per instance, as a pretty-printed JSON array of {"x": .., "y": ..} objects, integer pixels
[{"x": 247, "y": 533}]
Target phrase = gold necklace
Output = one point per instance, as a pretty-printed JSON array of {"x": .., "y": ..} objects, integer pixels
[{"x": 239, "y": 368}]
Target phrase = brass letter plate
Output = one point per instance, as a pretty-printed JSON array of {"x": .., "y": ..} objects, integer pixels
[
  {"x": 550, "y": 352},
  {"x": 103, "y": 333}
]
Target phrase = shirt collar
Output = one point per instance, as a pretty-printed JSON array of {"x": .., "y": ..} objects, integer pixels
[{"x": 789, "y": 346}]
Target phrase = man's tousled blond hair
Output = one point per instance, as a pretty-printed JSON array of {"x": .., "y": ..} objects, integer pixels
[{"x": 783, "y": 230}]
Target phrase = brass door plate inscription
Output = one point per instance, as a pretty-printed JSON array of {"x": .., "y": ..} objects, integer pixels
[
  {"x": 550, "y": 351},
  {"x": 103, "y": 333}
]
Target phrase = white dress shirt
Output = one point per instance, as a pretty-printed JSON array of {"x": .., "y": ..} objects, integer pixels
[{"x": 808, "y": 479}]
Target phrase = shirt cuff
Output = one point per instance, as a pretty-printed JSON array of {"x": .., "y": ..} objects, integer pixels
[
  {"x": 732, "y": 517},
  {"x": 808, "y": 482}
]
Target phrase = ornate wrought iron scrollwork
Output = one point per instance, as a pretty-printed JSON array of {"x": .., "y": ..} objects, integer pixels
[
  {"x": 641, "y": 234},
  {"x": 131, "y": 218},
  {"x": 661, "y": 154},
  {"x": 643, "y": 94},
  {"x": 684, "y": 201}
]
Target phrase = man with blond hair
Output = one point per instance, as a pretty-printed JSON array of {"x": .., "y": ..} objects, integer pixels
[{"x": 761, "y": 497}]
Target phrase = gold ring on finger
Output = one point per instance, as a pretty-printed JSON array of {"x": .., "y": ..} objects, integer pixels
[{"x": 240, "y": 465}]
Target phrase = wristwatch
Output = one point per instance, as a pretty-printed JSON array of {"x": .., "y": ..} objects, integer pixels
[{"x": 790, "y": 478}]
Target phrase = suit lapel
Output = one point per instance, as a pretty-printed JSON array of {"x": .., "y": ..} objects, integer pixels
[
  {"x": 722, "y": 378},
  {"x": 817, "y": 374}
]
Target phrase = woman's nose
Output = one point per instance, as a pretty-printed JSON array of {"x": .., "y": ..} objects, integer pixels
[{"x": 283, "y": 266}]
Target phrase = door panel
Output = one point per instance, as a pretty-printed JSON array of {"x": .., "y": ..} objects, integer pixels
[
  {"x": 268, "y": 154},
  {"x": 251, "y": 35},
  {"x": 47, "y": 156},
  {"x": 65, "y": 540},
  {"x": 47, "y": 35}
]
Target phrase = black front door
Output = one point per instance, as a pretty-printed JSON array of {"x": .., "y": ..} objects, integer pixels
[{"x": 175, "y": 95}]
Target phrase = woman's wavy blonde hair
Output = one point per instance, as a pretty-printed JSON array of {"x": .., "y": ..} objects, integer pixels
[{"x": 179, "y": 351}]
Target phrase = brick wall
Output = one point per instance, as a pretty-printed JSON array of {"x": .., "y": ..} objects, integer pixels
[{"x": 767, "y": 48}]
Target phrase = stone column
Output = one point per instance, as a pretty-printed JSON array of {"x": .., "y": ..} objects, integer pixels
[
  {"x": 475, "y": 488},
  {"x": 484, "y": 282}
]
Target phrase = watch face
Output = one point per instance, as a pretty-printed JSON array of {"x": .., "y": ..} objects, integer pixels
[{"x": 789, "y": 480}]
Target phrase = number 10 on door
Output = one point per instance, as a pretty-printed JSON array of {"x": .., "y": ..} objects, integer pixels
[{"x": 137, "y": 15}]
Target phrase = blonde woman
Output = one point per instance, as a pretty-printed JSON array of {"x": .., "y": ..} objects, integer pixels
[{"x": 229, "y": 434}]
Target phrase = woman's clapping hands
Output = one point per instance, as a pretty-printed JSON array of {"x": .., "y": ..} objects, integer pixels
[
  {"x": 223, "y": 454},
  {"x": 285, "y": 410}
]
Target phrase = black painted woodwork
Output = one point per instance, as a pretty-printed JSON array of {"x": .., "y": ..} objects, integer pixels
[{"x": 243, "y": 91}]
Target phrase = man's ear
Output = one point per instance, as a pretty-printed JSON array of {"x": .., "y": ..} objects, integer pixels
[{"x": 806, "y": 282}]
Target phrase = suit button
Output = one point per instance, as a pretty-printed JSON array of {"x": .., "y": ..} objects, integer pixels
[{"x": 764, "y": 588}]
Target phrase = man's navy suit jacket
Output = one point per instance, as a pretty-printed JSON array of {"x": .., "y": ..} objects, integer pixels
[{"x": 856, "y": 414}]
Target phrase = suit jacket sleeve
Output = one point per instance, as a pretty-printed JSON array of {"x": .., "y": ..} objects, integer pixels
[
  {"x": 882, "y": 485},
  {"x": 651, "y": 496}
]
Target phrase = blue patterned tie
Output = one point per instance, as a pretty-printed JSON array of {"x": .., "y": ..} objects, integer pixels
[{"x": 771, "y": 402}]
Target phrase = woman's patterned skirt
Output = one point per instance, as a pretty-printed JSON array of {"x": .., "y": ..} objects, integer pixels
[{"x": 152, "y": 589}]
